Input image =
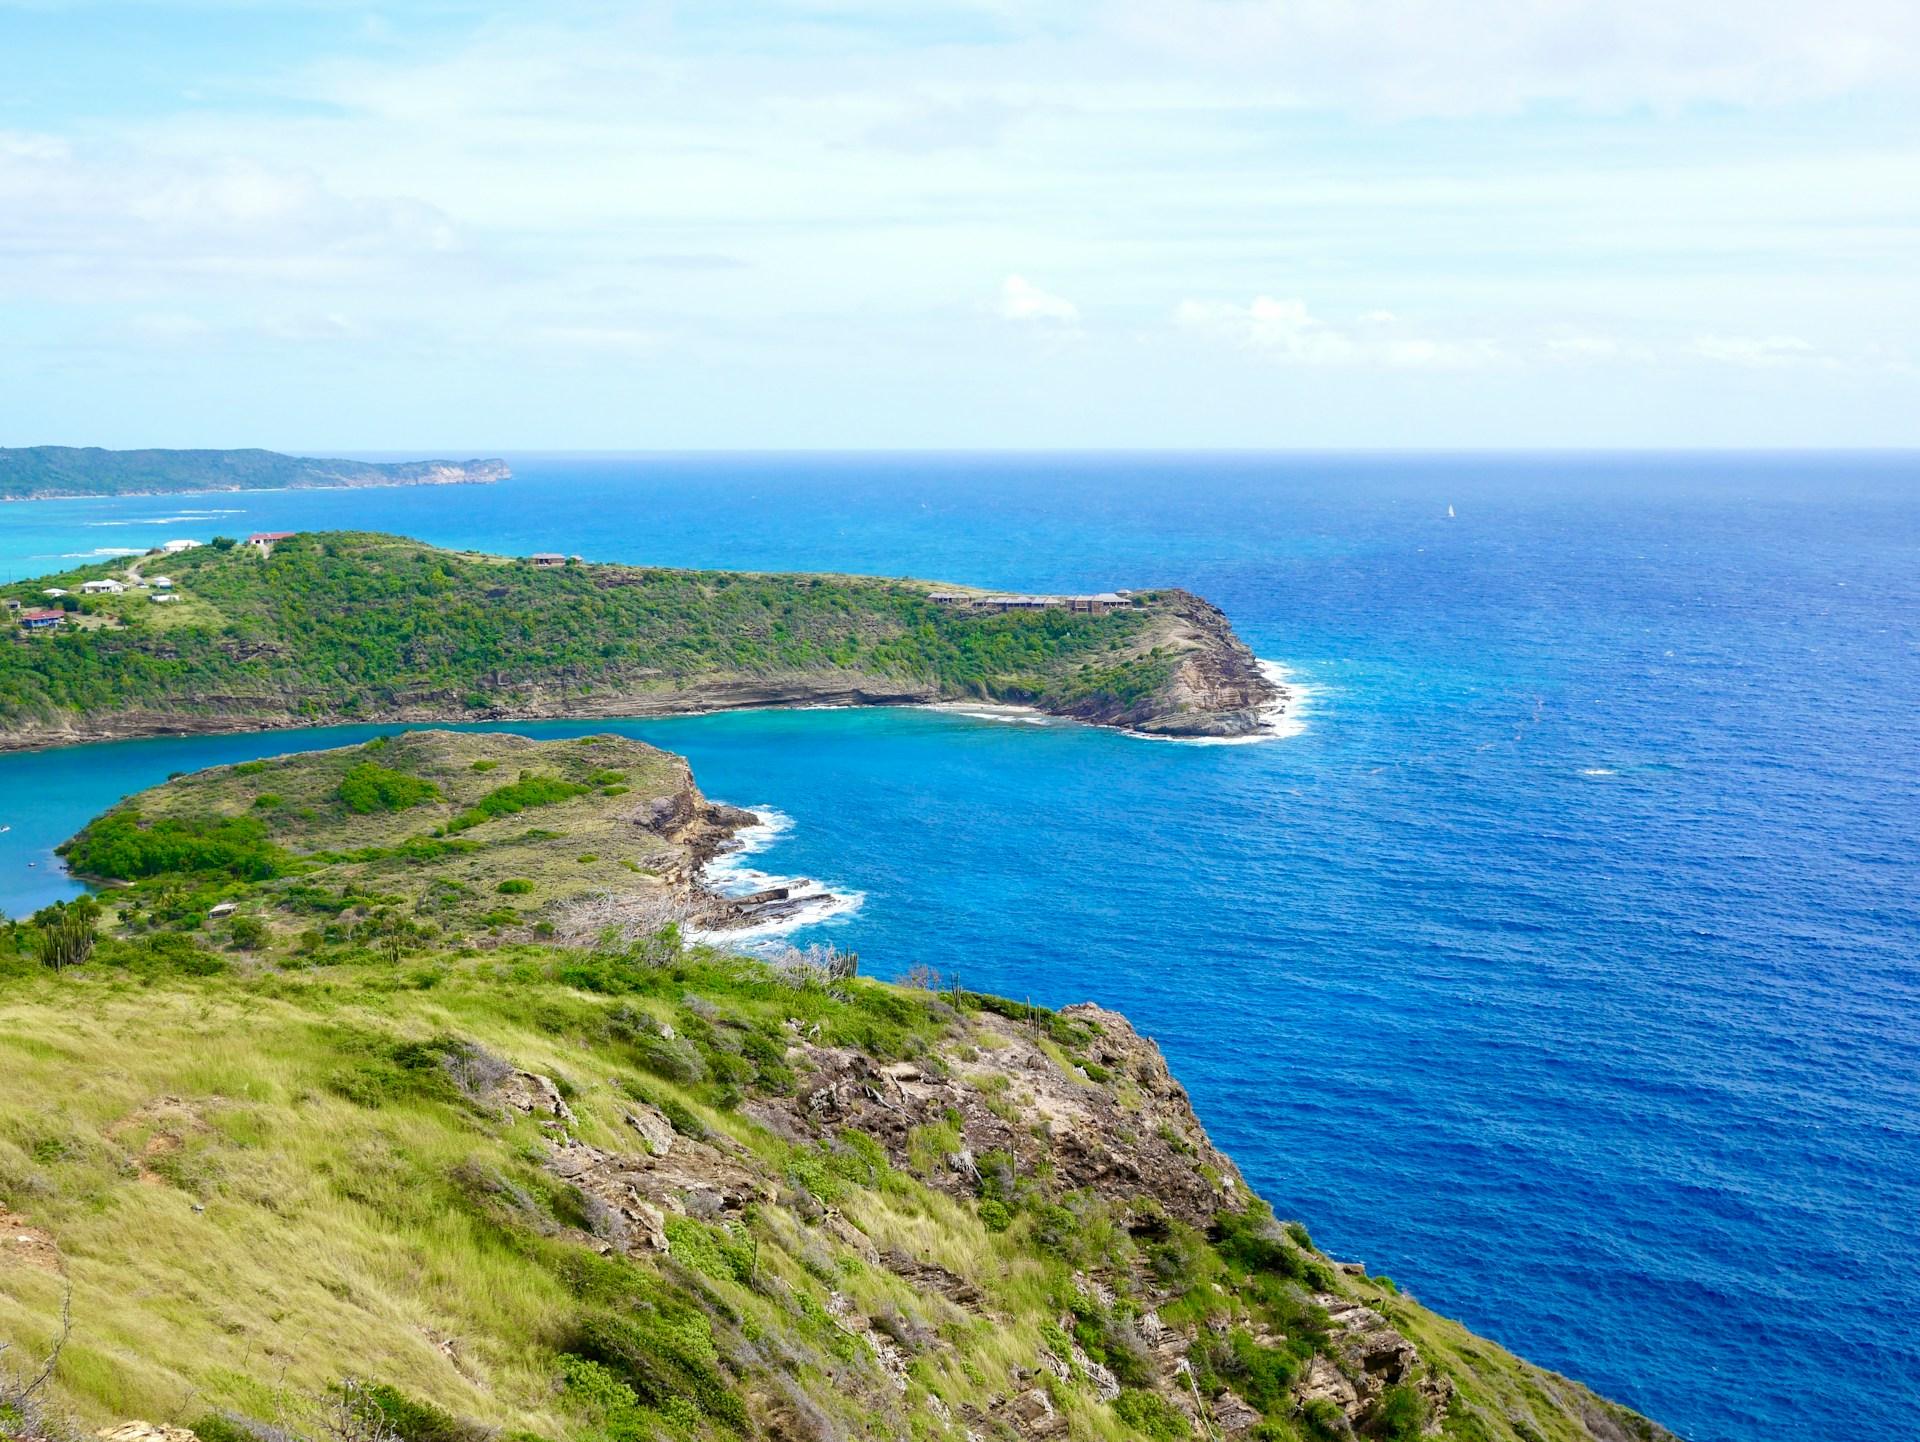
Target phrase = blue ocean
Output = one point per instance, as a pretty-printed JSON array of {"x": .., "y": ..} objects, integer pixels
[{"x": 1564, "y": 962}]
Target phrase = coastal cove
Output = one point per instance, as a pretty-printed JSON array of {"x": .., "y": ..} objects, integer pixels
[{"x": 1518, "y": 999}]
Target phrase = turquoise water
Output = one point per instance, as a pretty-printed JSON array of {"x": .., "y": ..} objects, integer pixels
[{"x": 1564, "y": 965}]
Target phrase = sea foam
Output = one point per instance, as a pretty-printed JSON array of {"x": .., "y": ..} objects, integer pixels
[{"x": 731, "y": 874}]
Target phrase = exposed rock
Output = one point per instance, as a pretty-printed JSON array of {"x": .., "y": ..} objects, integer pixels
[
  {"x": 654, "y": 1128},
  {"x": 932, "y": 1277},
  {"x": 1232, "y": 1415},
  {"x": 144, "y": 1432},
  {"x": 639, "y": 1189},
  {"x": 531, "y": 1094},
  {"x": 1152, "y": 1147},
  {"x": 1033, "y": 1415},
  {"x": 22, "y": 1243}
]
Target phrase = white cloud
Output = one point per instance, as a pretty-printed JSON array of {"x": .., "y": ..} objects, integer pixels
[
  {"x": 1022, "y": 300},
  {"x": 1286, "y": 331},
  {"x": 1761, "y": 352},
  {"x": 1420, "y": 57}
]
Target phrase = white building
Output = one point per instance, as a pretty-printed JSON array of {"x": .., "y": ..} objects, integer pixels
[
  {"x": 161, "y": 583},
  {"x": 174, "y": 548},
  {"x": 101, "y": 588},
  {"x": 54, "y": 591},
  {"x": 164, "y": 596}
]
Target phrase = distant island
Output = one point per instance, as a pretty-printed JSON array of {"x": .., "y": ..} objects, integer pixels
[
  {"x": 337, "y": 627},
  {"x": 44, "y": 473}
]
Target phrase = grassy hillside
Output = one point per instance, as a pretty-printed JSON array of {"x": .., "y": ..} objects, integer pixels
[
  {"x": 442, "y": 1182},
  {"x": 41, "y": 472},
  {"x": 442, "y": 835},
  {"x": 338, "y": 626}
]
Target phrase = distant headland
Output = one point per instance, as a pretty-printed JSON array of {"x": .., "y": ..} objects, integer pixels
[
  {"x": 317, "y": 628},
  {"x": 44, "y": 473}
]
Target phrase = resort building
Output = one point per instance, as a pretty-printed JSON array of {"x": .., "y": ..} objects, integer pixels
[{"x": 1093, "y": 605}]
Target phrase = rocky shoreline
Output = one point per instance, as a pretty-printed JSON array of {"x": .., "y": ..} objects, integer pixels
[{"x": 1247, "y": 717}]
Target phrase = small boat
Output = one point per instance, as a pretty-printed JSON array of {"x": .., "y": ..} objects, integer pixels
[{"x": 1449, "y": 513}]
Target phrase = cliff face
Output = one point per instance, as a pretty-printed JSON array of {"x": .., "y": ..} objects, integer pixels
[{"x": 1213, "y": 687}]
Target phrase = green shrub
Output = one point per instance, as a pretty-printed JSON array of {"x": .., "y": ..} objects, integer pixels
[
  {"x": 370, "y": 787},
  {"x": 995, "y": 1215},
  {"x": 66, "y": 932},
  {"x": 1260, "y": 1374},
  {"x": 1152, "y": 1414},
  {"x": 661, "y": 1354},
  {"x": 1400, "y": 1416},
  {"x": 407, "y": 1418},
  {"x": 515, "y": 797},
  {"x": 716, "y": 1251},
  {"x": 218, "y": 1427},
  {"x": 514, "y": 886},
  {"x": 121, "y": 847},
  {"x": 1324, "y": 1420},
  {"x": 249, "y": 933}
]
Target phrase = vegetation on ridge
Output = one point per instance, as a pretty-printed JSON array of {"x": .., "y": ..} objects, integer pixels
[{"x": 348, "y": 626}]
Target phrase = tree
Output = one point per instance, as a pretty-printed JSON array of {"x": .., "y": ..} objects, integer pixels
[{"x": 68, "y": 930}]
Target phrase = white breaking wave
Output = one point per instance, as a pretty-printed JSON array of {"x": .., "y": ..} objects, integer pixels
[
  {"x": 1006, "y": 715},
  {"x": 1595, "y": 771},
  {"x": 1285, "y": 717},
  {"x": 101, "y": 553},
  {"x": 730, "y": 874},
  {"x": 181, "y": 520}
]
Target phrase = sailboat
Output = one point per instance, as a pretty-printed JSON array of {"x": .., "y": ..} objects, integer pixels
[{"x": 1449, "y": 513}]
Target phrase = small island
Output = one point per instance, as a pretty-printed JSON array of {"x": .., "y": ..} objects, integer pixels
[
  {"x": 324, "y": 628},
  {"x": 395, "y": 1087},
  {"x": 43, "y": 473}
]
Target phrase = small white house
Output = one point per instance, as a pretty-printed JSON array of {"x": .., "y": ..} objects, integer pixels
[
  {"x": 174, "y": 548},
  {"x": 101, "y": 588},
  {"x": 158, "y": 596},
  {"x": 55, "y": 591},
  {"x": 161, "y": 583}
]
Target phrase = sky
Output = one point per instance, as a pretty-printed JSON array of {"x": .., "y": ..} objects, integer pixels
[{"x": 473, "y": 227}]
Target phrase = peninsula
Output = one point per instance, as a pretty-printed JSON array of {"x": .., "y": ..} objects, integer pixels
[
  {"x": 37, "y": 473},
  {"x": 384, "y": 1095},
  {"x": 338, "y": 627}
]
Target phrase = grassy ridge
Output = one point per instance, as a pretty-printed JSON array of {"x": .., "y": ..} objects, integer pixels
[
  {"x": 348, "y": 1158},
  {"x": 345, "y": 626}
]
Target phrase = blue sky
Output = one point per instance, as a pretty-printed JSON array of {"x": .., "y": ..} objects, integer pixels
[{"x": 848, "y": 223}]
